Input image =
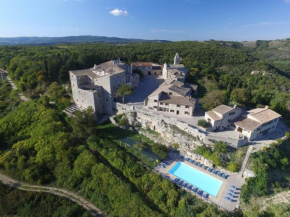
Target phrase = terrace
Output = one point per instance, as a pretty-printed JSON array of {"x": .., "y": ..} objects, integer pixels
[{"x": 228, "y": 194}]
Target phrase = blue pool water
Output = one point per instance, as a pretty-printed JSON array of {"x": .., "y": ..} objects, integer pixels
[{"x": 197, "y": 178}]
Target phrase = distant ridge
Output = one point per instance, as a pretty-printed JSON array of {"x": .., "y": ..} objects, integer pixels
[{"x": 70, "y": 40}]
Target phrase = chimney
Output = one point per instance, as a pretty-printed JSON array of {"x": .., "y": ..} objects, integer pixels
[
  {"x": 266, "y": 107},
  {"x": 95, "y": 66}
]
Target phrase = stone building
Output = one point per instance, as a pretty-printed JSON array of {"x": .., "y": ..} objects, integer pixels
[
  {"x": 173, "y": 97},
  {"x": 175, "y": 71},
  {"x": 96, "y": 87},
  {"x": 252, "y": 124},
  {"x": 147, "y": 68},
  {"x": 222, "y": 116},
  {"x": 257, "y": 123}
]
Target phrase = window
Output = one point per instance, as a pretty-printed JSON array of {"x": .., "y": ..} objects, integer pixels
[
  {"x": 232, "y": 113},
  {"x": 187, "y": 106},
  {"x": 166, "y": 104},
  {"x": 161, "y": 103},
  {"x": 155, "y": 100},
  {"x": 170, "y": 93},
  {"x": 154, "y": 106},
  {"x": 187, "y": 113},
  {"x": 178, "y": 106}
]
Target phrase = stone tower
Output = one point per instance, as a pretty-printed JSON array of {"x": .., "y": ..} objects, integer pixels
[{"x": 176, "y": 59}]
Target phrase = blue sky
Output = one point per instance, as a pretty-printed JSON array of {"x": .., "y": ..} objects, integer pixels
[{"x": 148, "y": 19}]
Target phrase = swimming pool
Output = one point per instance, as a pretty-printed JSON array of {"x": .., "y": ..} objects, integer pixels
[{"x": 197, "y": 178}]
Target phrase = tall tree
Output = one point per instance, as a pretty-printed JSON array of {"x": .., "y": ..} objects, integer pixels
[{"x": 124, "y": 90}]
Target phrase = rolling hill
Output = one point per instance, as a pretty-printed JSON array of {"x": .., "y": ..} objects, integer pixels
[{"x": 70, "y": 40}]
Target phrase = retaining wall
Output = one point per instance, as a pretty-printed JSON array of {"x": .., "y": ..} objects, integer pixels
[{"x": 171, "y": 129}]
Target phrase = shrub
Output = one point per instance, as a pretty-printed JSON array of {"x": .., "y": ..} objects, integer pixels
[
  {"x": 203, "y": 123},
  {"x": 280, "y": 141},
  {"x": 123, "y": 122},
  {"x": 160, "y": 150},
  {"x": 175, "y": 145},
  {"x": 220, "y": 147},
  {"x": 233, "y": 167},
  {"x": 119, "y": 117},
  {"x": 240, "y": 154}
]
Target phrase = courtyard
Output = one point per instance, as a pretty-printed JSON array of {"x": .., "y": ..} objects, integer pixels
[{"x": 147, "y": 86}]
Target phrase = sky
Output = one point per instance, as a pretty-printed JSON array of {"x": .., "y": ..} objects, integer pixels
[{"x": 176, "y": 20}]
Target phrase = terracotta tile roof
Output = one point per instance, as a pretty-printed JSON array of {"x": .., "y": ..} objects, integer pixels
[
  {"x": 162, "y": 87},
  {"x": 247, "y": 123},
  {"x": 110, "y": 67},
  {"x": 264, "y": 115},
  {"x": 193, "y": 86},
  {"x": 142, "y": 64},
  {"x": 183, "y": 91},
  {"x": 213, "y": 115},
  {"x": 223, "y": 109},
  {"x": 176, "y": 100}
]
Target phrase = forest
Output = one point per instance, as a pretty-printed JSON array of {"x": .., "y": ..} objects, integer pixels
[
  {"x": 33, "y": 204},
  {"x": 44, "y": 147},
  {"x": 40, "y": 145},
  {"x": 222, "y": 69}
]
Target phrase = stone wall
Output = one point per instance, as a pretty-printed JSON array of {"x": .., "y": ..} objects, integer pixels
[{"x": 171, "y": 130}]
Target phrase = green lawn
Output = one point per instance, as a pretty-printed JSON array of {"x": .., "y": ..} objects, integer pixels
[{"x": 116, "y": 134}]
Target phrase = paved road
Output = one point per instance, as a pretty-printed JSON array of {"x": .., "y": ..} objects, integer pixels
[{"x": 56, "y": 191}]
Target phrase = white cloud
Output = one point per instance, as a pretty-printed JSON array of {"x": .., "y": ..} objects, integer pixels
[
  {"x": 263, "y": 23},
  {"x": 119, "y": 12}
]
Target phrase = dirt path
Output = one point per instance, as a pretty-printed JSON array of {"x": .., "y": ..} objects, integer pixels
[
  {"x": 56, "y": 191},
  {"x": 22, "y": 97},
  {"x": 249, "y": 151},
  {"x": 282, "y": 197}
]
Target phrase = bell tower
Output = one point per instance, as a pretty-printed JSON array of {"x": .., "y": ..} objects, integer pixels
[{"x": 176, "y": 59}]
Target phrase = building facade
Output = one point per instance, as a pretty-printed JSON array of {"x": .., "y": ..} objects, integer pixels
[
  {"x": 257, "y": 123},
  {"x": 222, "y": 116},
  {"x": 174, "y": 98},
  {"x": 252, "y": 124},
  {"x": 147, "y": 68},
  {"x": 176, "y": 71},
  {"x": 97, "y": 87}
]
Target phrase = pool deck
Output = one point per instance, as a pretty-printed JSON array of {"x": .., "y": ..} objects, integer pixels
[{"x": 233, "y": 179}]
